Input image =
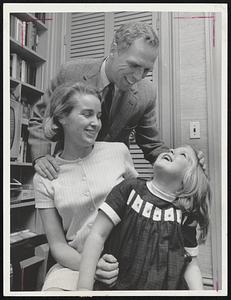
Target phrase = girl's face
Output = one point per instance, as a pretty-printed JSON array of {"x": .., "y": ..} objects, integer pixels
[
  {"x": 175, "y": 163},
  {"x": 82, "y": 125}
]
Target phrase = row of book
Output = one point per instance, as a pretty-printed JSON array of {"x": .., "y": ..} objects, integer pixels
[
  {"x": 25, "y": 32},
  {"x": 22, "y": 70},
  {"x": 22, "y": 155},
  {"x": 23, "y": 143}
]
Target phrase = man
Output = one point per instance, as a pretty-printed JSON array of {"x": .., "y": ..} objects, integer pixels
[{"x": 132, "y": 96}]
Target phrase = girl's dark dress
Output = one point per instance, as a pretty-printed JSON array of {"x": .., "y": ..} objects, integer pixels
[{"x": 149, "y": 239}]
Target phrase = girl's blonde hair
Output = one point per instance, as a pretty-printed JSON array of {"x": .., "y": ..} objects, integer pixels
[
  {"x": 194, "y": 197},
  {"x": 61, "y": 104}
]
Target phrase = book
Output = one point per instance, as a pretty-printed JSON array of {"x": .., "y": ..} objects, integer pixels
[
  {"x": 13, "y": 67},
  {"x": 24, "y": 71},
  {"x": 18, "y": 68},
  {"x": 31, "y": 74},
  {"x": 19, "y": 30},
  {"x": 13, "y": 26}
]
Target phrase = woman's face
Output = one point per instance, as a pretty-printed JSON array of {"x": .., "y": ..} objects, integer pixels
[
  {"x": 83, "y": 124},
  {"x": 175, "y": 163}
]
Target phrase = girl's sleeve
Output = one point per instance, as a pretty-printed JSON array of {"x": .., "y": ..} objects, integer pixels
[
  {"x": 116, "y": 201},
  {"x": 44, "y": 192},
  {"x": 189, "y": 230}
]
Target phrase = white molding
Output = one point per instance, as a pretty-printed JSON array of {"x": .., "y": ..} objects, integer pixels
[
  {"x": 213, "y": 74},
  {"x": 177, "y": 141},
  {"x": 165, "y": 80}
]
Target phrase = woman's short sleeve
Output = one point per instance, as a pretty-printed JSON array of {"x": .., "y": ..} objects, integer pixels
[{"x": 44, "y": 192}]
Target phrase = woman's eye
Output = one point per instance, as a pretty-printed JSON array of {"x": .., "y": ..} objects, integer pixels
[
  {"x": 183, "y": 154},
  {"x": 87, "y": 114}
]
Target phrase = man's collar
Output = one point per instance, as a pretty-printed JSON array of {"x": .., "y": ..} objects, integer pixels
[{"x": 103, "y": 77}]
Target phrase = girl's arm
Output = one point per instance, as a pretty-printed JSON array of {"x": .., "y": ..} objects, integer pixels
[
  {"x": 193, "y": 275},
  {"x": 61, "y": 251},
  {"x": 92, "y": 250}
]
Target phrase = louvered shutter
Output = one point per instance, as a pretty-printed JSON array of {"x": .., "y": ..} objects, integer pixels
[
  {"x": 87, "y": 31},
  {"x": 142, "y": 166}
]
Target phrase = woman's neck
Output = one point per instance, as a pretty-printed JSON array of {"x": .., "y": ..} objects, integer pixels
[{"x": 72, "y": 152}]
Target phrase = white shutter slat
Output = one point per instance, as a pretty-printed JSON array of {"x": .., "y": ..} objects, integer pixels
[
  {"x": 87, "y": 16},
  {"x": 82, "y": 48},
  {"x": 87, "y": 35},
  {"x": 83, "y": 27},
  {"x": 95, "y": 40},
  {"x": 121, "y": 18},
  {"x": 142, "y": 166}
]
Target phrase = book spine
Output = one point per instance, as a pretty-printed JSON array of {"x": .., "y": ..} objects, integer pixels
[
  {"x": 24, "y": 71},
  {"x": 19, "y": 68}
]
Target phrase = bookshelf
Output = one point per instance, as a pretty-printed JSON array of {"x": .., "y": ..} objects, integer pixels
[{"x": 28, "y": 37}]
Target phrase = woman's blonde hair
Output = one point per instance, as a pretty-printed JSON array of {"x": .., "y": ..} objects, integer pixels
[
  {"x": 194, "y": 197},
  {"x": 61, "y": 104}
]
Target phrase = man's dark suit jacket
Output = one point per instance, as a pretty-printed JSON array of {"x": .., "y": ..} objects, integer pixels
[{"x": 134, "y": 109}]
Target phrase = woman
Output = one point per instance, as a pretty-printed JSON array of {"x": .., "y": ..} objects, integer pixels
[{"x": 88, "y": 170}]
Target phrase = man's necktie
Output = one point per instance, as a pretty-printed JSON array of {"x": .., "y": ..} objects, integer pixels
[
  {"x": 107, "y": 97},
  {"x": 108, "y": 94}
]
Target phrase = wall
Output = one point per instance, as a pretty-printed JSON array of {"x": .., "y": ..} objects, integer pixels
[{"x": 195, "y": 52}]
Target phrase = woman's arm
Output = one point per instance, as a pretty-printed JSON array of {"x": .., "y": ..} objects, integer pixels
[
  {"x": 92, "y": 250},
  {"x": 193, "y": 275},
  {"x": 61, "y": 251}
]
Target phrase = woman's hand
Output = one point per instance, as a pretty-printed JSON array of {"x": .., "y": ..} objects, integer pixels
[{"x": 107, "y": 270}]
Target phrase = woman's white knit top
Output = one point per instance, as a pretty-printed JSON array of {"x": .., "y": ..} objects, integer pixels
[{"x": 82, "y": 185}]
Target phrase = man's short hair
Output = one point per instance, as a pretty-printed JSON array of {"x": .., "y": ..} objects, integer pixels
[{"x": 129, "y": 32}]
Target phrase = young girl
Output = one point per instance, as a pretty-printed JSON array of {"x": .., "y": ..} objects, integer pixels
[{"x": 154, "y": 234}]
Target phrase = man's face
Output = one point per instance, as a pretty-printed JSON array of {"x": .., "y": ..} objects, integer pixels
[{"x": 131, "y": 65}]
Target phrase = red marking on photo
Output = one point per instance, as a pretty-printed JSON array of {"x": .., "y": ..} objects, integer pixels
[{"x": 204, "y": 17}]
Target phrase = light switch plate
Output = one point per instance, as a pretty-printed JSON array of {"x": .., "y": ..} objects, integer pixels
[{"x": 194, "y": 129}]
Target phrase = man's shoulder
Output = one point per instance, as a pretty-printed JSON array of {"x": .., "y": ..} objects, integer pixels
[
  {"x": 79, "y": 63},
  {"x": 146, "y": 87}
]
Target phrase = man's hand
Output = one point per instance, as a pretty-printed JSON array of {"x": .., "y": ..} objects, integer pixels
[
  {"x": 201, "y": 158},
  {"x": 47, "y": 167},
  {"x": 107, "y": 270}
]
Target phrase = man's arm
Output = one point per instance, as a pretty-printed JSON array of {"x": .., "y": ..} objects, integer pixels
[{"x": 147, "y": 135}]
